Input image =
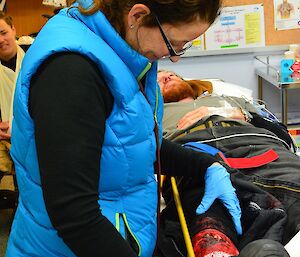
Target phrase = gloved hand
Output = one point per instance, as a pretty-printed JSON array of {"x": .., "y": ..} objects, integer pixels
[{"x": 218, "y": 186}]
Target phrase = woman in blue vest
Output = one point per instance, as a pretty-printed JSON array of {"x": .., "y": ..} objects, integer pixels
[{"x": 87, "y": 138}]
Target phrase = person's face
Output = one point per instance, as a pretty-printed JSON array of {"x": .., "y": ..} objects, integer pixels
[
  {"x": 167, "y": 80},
  {"x": 149, "y": 41},
  {"x": 174, "y": 88},
  {"x": 8, "y": 45}
]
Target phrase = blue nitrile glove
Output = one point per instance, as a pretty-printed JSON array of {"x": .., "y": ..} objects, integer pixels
[{"x": 218, "y": 186}]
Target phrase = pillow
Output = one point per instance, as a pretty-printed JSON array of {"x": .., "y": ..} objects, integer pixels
[{"x": 223, "y": 88}]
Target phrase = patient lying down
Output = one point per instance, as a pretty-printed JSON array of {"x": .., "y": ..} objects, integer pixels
[
  {"x": 175, "y": 89},
  {"x": 187, "y": 103}
]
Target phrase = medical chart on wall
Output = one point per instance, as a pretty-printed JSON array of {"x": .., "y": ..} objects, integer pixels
[
  {"x": 55, "y": 3},
  {"x": 198, "y": 44},
  {"x": 237, "y": 27},
  {"x": 287, "y": 14}
]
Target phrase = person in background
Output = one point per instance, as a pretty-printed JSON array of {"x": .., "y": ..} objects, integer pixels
[
  {"x": 11, "y": 56},
  {"x": 87, "y": 137}
]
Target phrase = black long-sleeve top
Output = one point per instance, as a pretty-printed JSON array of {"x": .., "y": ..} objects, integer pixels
[{"x": 69, "y": 102}]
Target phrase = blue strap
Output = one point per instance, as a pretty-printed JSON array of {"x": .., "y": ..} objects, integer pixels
[{"x": 202, "y": 148}]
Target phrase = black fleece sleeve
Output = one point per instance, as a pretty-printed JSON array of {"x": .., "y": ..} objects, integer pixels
[
  {"x": 69, "y": 103},
  {"x": 177, "y": 160}
]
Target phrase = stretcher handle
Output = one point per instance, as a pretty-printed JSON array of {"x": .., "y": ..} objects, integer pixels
[{"x": 185, "y": 231}]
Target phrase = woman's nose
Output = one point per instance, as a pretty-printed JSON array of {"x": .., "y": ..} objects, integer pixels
[{"x": 174, "y": 58}]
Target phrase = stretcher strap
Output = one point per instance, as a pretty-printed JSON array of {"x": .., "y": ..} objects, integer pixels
[
  {"x": 200, "y": 147},
  {"x": 236, "y": 163},
  {"x": 252, "y": 162}
]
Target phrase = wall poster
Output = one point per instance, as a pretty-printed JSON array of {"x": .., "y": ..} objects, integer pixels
[
  {"x": 237, "y": 27},
  {"x": 287, "y": 14}
]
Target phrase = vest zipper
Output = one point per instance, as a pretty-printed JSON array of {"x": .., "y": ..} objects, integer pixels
[
  {"x": 127, "y": 233},
  {"x": 131, "y": 238},
  {"x": 148, "y": 67},
  {"x": 117, "y": 216}
]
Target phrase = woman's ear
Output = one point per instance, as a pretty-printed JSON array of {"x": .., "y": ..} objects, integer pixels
[{"x": 136, "y": 14}]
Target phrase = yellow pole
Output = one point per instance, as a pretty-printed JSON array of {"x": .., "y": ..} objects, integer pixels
[{"x": 185, "y": 231}]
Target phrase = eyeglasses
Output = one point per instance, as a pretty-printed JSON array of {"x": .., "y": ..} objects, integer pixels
[{"x": 171, "y": 49}]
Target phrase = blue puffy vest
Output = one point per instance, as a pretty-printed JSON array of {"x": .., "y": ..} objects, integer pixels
[{"x": 127, "y": 186}]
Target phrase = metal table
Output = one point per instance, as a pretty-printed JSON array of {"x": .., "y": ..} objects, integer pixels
[{"x": 269, "y": 70}]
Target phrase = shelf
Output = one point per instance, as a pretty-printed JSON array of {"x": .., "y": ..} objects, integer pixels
[
  {"x": 269, "y": 70},
  {"x": 250, "y": 50}
]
